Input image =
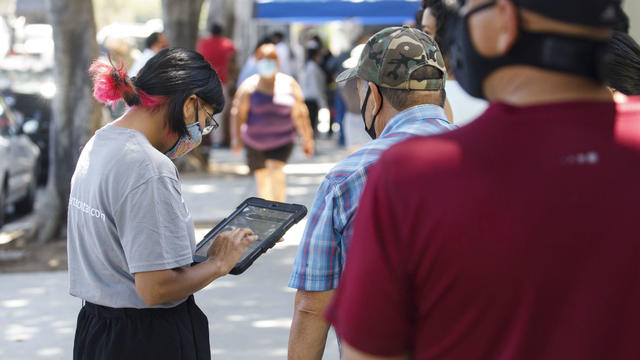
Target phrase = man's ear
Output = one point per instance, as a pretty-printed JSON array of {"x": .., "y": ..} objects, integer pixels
[
  {"x": 376, "y": 98},
  {"x": 509, "y": 25},
  {"x": 189, "y": 108}
]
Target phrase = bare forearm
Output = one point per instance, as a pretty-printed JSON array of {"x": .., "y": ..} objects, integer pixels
[
  {"x": 302, "y": 123},
  {"x": 170, "y": 285},
  {"x": 300, "y": 114},
  {"x": 235, "y": 123},
  {"x": 238, "y": 105},
  {"x": 308, "y": 334},
  {"x": 158, "y": 287}
]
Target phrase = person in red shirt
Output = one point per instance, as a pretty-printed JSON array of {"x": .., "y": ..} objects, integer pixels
[
  {"x": 219, "y": 51},
  {"x": 515, "y": 237}
]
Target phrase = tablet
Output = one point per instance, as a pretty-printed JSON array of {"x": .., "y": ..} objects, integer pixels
[{"x": 270, "y": 220}]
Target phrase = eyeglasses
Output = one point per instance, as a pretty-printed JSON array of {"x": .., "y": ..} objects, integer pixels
[{"x": 210, "y": 124}]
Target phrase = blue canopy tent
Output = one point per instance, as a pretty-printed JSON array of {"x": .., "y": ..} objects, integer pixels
[{"x": 366, "y": 12}]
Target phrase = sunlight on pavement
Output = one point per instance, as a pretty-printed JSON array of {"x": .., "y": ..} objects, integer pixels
[
  {"x": 282, "y": 352},
  {"x": 250, "y": 303},
  {"x": 303, "y": 180},
  {"x": 293, "y": 236},
  {"x": 284, "y": 323},
  {"x": 217, "y": 352},
  {"x": 15, "y": 303},
  {"x": 236, "y": 318},
  {"x": 308, "y": 168},
  {"x": 66, "y": 331},
  {"x": 220, "y": 284},
  {"x": 49, "y": 352},
  {"x": 200, "y": 233},
  {"x": 63, "y": 323},
  {"x": 17, "y": 332},
  {"x": 298, "y": 190},
  {"x": 32, "y": 291}
]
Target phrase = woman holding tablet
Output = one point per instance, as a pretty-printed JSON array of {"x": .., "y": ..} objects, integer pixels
[{"x": 130, "y": 235}]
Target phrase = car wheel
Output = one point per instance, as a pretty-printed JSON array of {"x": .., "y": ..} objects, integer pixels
[{"x": 25, "y": 205}]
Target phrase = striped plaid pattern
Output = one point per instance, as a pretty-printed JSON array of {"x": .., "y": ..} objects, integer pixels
[{"x": 322, "y": 252}]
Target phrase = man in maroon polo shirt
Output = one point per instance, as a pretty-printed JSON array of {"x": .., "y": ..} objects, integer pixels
[{"x": 517, "y": 236}]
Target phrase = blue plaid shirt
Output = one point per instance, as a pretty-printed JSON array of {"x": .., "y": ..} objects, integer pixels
[{"x": 322, "y": 252}]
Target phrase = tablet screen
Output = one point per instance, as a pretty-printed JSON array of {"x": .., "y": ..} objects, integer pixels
[{"x": 262, "y": 221}]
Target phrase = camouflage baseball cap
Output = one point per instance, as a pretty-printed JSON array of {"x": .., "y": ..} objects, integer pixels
[{"x": 391, "y": 57}]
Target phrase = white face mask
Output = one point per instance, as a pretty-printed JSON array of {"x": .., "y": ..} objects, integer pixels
[{"x": 267, "y": 67}]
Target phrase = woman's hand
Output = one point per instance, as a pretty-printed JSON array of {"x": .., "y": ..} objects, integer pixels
[
  {"x": 228, "y": 246},
  {"x": 308, "y": 147},
  {"x": 161, "y": 286}
]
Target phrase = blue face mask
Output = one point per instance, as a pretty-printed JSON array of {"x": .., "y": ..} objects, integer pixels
[
  {"x": 267, "y": 67},
  {"x": 186, "y": 142}
]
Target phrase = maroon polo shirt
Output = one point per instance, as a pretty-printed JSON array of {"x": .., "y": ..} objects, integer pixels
[
  {"x": 217, "y": 50},
  {"x": 515, "y": 237}
]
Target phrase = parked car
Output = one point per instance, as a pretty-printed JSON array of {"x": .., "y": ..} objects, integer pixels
[
  {"x": 36, "y": 112},
  {"x": 18, "y": 165},
  {"x": 29, "y": 92}
]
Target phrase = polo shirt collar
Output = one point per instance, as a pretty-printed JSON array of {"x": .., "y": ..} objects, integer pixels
[{"x": 418, "y": 112}]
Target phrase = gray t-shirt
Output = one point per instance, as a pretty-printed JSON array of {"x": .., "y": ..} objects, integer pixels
[{"x": 126, "y": 215}]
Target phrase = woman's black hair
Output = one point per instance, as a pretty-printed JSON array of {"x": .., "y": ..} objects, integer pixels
[
  {"x": 442, "y": 14},
  {"x": 623, "y": 67},
  {"x": 177, "y": 73}
]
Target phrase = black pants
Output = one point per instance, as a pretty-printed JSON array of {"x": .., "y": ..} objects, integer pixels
[
  {"x": 257, "y": 158},
  {"x": 313, "y": 107},
  {"x": 178, "y": 333}
]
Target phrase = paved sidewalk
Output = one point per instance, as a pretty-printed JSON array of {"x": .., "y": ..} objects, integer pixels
[
  {"x": 249, "y": 315},
  {"x": 212, "y": 197}
]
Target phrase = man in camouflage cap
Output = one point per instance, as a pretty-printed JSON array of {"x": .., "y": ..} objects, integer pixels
[
  {"x": 391, "y": 57},
  {"x": 400, "y": 63},
  {"x": 400, "y": 80}
]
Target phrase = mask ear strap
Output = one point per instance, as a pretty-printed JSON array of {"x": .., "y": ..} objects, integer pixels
[
  {"x": 372, "y": 129},
  {"x": 381, "y": 103},
  {"x": 363, "y": 109},
  {"x": 195, "y": 107}
]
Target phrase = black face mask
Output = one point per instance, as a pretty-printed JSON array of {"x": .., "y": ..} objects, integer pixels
[
  {"x": 371, "y": 130},
  {"x": 567, "y": 54}
]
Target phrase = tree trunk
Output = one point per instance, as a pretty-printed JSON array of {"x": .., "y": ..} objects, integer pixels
[
  {"x": 181, "y": 18},
  {"x": 76, "y": 114},
  {"x": 245, "y": 29},
  {"x": 221, "y": 12}
]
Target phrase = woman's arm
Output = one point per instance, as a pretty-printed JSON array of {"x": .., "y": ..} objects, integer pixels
[
  {"x": 158, "y": 287},
  {"x": 239, "y": 113},
  {"x": 300, "y": 115}
]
